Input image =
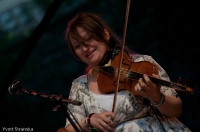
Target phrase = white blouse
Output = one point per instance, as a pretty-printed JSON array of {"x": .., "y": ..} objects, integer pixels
[{"x": 106, "y": 100}]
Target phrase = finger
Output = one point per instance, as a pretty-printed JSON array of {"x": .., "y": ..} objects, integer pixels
[
  {"x": 110, "y": 115},
  {"x": 141, "y": 82},
  {"x": 109, "y": 121},
  {"x": 105, "y": 126},
  {"x": 146, "y": 78},
  {"x": 155, "y": 75},
  {"x": 139, "y": 89},
  {"x": 148, "y": 81},
  {"x": 101, "y": 127}
]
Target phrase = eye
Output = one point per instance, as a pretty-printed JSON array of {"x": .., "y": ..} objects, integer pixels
[
  {"x": 77, "y": 46},
  {"x": 89, "y": 38}
]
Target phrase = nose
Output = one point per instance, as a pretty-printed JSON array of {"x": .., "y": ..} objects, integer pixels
[{"x": 85, "y": 46}]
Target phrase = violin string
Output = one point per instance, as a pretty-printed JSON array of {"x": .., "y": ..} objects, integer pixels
[
  {"x": 131, "y": 75},
  {"x": 155, "y": 80},
  {"x": 136, "y": 76}
]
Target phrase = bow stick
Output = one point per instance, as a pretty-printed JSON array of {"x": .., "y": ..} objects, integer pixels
[{"x": 122, "y": 49}]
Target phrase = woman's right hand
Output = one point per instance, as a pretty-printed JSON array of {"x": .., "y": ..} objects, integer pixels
[{"x": 103, "y": 121}]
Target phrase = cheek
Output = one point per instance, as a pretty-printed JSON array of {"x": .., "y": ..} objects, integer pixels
[
  {"x": 78, "y": 53},
  {"x": 104, "y": 48}
]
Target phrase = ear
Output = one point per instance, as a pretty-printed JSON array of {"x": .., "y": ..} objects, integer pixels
[{"x": 107, "y": 35}]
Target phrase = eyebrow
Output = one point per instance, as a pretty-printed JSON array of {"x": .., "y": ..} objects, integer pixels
[{"x": 75, "y": 42}]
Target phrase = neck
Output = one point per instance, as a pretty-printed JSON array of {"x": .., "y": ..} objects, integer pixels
[{"x": 94, "y": 71}]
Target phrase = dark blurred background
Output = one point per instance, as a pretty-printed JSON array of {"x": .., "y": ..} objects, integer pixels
[{"x": 38, "y": 55}]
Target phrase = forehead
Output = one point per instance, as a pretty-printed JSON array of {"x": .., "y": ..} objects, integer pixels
[
  {"x": 79, "y": 35},
  {"x": 81, "y": 31}
]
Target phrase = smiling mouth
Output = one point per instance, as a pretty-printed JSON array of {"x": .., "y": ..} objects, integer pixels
[{"x": 90, "y": 53}]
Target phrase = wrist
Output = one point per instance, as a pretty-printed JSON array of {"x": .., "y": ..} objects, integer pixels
[
  {"x": 87, "y": 121},
  {"x": 160, "y": 102}
]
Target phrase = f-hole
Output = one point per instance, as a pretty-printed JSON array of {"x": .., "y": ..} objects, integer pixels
[{"x": 125, "y": 63}]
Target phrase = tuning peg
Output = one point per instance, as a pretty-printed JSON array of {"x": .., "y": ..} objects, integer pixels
[
  {"x": 186, "y": 82},
  {"x": 179, "y": 80}
]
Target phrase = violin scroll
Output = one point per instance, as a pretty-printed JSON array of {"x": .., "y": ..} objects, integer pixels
[{"x": 182, "y": 88}]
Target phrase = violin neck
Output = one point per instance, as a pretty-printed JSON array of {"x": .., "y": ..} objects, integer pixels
[
  {"x": 161, "y": 82},
  {"x": 136, "y": 76},
  {"x": 131, "y": 75}
]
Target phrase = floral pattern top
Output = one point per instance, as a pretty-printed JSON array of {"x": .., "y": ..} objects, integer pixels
[{"x": 132, "y": 113}]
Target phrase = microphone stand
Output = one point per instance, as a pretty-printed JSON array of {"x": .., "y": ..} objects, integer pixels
[
  {"x": 15, "y": 88},
  {"x": 67, "y": 113}
]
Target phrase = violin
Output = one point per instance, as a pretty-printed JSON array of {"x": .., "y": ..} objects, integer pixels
[
  {"x": 130, "y": 73},
  {"x": 121, "y": 73}
]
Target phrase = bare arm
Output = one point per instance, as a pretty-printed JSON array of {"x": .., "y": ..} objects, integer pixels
[{"x": 171, "y": 107}]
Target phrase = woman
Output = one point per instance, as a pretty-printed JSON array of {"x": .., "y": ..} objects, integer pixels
[{"x": 154, "y": 107}]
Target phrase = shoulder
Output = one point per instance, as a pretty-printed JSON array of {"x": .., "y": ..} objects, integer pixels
[
  {"x": 141, "y": 57},
  {"x": 80, "y": 82},
  {"x": 81, "y": 79},
  {"x": 78, "y": 85}
]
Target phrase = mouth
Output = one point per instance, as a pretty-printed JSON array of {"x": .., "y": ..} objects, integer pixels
[{"x": 90, "y": 53}]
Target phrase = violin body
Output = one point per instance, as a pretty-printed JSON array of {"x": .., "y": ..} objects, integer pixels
[
  {"x": 108, "y": 74},
  {"x": 129, "y": 75}
]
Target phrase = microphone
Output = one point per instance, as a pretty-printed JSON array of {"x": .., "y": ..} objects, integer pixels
[
  {"x": 16, "y": 89},
  {"x": 74, "y": 102}
]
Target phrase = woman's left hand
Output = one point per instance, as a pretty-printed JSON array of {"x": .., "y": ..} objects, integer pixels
[
  {"x": 146, "y": 88},
  {"x": 172, "y": 106}
]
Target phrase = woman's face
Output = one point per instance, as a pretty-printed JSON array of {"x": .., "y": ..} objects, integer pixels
[{"x": 91, "y": 51}]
